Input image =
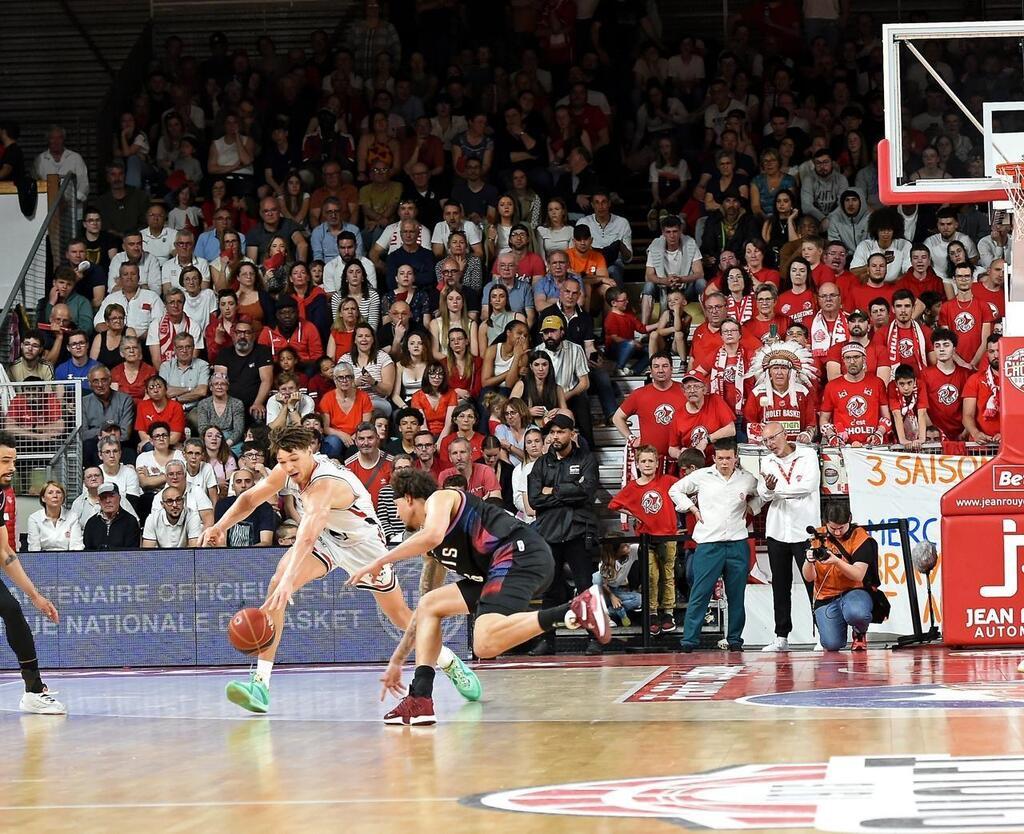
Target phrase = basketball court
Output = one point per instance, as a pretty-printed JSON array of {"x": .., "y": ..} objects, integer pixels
[{"x": 723, "y": 741}]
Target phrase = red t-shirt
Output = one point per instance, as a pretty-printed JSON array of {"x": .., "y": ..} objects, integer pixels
[
  {"x": 908, "y": 348},
  {"x": 342, "y": 420},
  {"x": 760, "y": 330},
  {"x": 995, "y": 299},
  {"x": 861, "y": 295},
  {"x": 305, "y": 341},
  {"x": 434, "y": 417},
  {"x": 856, "y": 407},
  {"x": 476, "y": 444},
  {"x": 623, "y": 325},
  {"x": 945, "y": 398},
  {"x": 822, "y": 274},
  {"x": 835, "y": 354},
  {"x": 846, "y": 281},
  {"x": 136, "y": 390},
  {"x": 688, "y": 429},
  {"x": 656, "y": 411},
  {"x": 965, "y": 318},
  {"x": 800, "y": 308},
  {"x": 765, "y": 276},
  {"x": 931, "y": 283},
  {"x": 146, "y": 414},
  {"x": 652, "y": 510},
  {"x": 795, "y": 419},
  {"x": 978, "y": 389},
  {"x": 897, "y": 402},
  {"x": 729, "y": 392},
  {"x": 704, "y": 344},
  {"x": 481, "y": 480},
  {"x": 373, "y": 478}
]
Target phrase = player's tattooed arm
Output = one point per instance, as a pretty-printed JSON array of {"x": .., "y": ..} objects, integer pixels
[
  {"x": 11, "y": 558},
  {"x": 406, "y": 644},
  {"x": 432, "y": 575}
]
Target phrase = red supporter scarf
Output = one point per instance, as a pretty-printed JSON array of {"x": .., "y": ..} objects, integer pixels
[
  {"x": 824, "y": 337},
  {"x": 908, "y": 407},
  {"x": 718, "y": 378},
  {"x": 167, "y": 334},
  {"x": 893, "y": 342},
  {"x": 992, "y": 404},
  {"x": 742, "y": 310}
]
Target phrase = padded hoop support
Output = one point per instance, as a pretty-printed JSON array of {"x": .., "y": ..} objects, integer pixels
[{"x": 889, "y": 195}]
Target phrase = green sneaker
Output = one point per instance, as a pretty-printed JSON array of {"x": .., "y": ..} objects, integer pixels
[
  {"x": 464, "y": 679},
  {"x": 253, "y": 696}
]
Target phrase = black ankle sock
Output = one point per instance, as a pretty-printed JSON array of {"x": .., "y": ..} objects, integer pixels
[
  {"x": 422, "y": 685},
  {"x": 551, "y": 617},
  {"x": 30, "y": 674}
]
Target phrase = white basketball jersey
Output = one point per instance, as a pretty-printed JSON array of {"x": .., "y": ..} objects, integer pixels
[{"x": 355, "y": 523}]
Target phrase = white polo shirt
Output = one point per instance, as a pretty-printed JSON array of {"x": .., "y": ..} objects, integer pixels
[
  {"x": 149, "y": 271},
  {"x": 143, "y": 309},
  {"x": 170, "y": 272},
  {"x": 159, "y": 529},
  {"x": 159, "y": 245}
]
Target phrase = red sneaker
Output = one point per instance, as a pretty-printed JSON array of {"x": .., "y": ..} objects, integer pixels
[
  {"x": 860, "y": 642},
  {"x": 412, "y": 711},
  {"x": 592, "y": 613}
]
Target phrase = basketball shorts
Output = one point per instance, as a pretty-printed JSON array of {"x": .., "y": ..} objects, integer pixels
[
  {"x": 334, "y": 551},
  {"x": 521, "y": 569}
]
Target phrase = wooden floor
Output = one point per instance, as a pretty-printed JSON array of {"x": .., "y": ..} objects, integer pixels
[{"x": 786, "y": 734}]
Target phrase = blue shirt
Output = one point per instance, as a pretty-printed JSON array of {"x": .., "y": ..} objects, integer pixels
[
  {"x": 421, "y": 261},
  {"x": 324, "y": 242},
  {"x": 69, "y": 370},
  {"x": 520, "y": 297},
  {"x": 208, "y": 246}
]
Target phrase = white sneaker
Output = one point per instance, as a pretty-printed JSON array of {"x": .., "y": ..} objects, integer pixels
[
  {"x": 779, "y": 644},
  {"x": 1020, "y": 667},
  {"x": 41, "y": 704},
  {"x": 818, "y": 647}
]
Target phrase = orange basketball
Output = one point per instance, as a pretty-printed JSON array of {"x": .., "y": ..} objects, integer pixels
[{"x": 250, "y": 630}]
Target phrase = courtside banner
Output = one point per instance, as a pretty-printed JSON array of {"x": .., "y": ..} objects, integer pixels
[
  {"x": 886, "y": 486},
  {"x": 172, "y": 608}
]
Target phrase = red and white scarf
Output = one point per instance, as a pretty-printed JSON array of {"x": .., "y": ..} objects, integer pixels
[
  {"x": 908, "y": 407},
  {"x": 893, "y": 342},
  {"x": 719, "y": 379},
  {"x": 742, "y": 310},
  {"x": 824, "y": 336},
  {"x": 167, "y": 332},
  {"x": 992, "y": 403}
]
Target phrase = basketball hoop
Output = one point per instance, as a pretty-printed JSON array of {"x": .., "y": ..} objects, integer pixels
[{"x": 1013, "y": 174}]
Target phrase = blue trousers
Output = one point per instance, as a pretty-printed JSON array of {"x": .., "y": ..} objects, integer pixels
[
  {"x": 850, "y": 609},
  {"x": 711, "y": 560},
  {"x": 623, "y": 352}
]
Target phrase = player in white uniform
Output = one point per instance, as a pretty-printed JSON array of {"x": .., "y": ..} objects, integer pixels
[{"x": 338, "y": 529}]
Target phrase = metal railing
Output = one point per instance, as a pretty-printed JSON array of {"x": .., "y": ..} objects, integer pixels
[
  {"x": 56, "y": 231},
  {"x": 44, "y": 418}
]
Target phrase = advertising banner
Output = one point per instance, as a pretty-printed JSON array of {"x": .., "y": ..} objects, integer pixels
[
  {"x": 172, "y": 607},
  {"x": 886, "y": 486}
]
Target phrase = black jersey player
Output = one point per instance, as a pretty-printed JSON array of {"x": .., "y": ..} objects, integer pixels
[{"x": 504, "y": 564}]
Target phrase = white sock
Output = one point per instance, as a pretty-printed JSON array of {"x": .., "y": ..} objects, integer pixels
[
  {"x": 570, "y": 621},
  {"x": 445, "y": 657},
  {"x": 263, "y": 670}
]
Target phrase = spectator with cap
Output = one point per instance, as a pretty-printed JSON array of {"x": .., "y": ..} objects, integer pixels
[
  {"x": 111, "y": 528},
  {"x": 572, "y": 372},
  {"x": 172, "y": 524},
  {"x": 86, "y": 505},
  {"x": 589, "y": 264},
  {"x": 854, "y": 407},
  {"x": 256, "y": 529},
  {"x": 561, "y": 488}
]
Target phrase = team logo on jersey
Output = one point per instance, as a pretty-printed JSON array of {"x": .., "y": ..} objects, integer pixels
[
  {"x": 906, "y": 348},
  {"x": 1013, "y": 368},
  {"x": 856, "y": 406},
  {"x": 651, "y": 502},
  {"x": 947, "y": 394},
  {"x": 698, "y": 435},
  {"x": 964, "y": 322},
  {"x": 664, "y": 414}
]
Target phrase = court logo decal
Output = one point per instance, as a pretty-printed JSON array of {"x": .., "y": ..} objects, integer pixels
[
  {"x": 683, "y": 683},
  {"x": 975, "y": 695},
  {"x": 881, "y": 794}
]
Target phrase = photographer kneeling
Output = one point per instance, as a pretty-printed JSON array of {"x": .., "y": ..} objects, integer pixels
[{"x": 842, "y": 555}]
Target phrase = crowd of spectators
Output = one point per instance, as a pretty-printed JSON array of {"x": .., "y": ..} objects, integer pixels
[{"x": 421, "y": 246}]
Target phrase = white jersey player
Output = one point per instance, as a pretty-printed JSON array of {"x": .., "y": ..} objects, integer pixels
[{"x": 338, "y": 528}]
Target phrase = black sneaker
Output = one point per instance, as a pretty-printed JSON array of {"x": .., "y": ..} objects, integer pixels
[
  {"x": 655, "y": 626},
  {"x": 593, "y": 647},
  {"x": 542, "y": 648},
  {"x": 668, "y": 623},
  {"x": 686, "y": 648}
]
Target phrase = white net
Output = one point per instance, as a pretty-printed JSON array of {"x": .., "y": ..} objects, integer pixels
[{"x": 1012, "y": 174}]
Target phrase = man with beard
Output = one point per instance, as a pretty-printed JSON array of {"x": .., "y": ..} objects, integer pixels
[
  {"x": 572, "y": 372},
  {"x": 904, "y": 341},
  {"x": 861, "y": 295},
  {"x": 982, "y": 406},
  {"x": 859, "y": 333},
  {"x": 853, "y": 407},
  {"x": 655, "y": 406},
  {"x": 250, "y": 369},
  {"x": 256, "y": 529}
]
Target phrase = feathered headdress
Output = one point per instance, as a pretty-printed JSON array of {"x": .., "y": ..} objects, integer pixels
[{"x": 803, "y": 372}]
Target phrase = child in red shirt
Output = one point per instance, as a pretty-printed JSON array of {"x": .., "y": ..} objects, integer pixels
[
  {"x": 647, "y": 500},
  {"x": 620, "y": 329},
  {"x": 908, "y": 402}
]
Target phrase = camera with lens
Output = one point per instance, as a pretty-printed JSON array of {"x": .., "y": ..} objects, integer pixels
[{"x": 817, "y": 552}]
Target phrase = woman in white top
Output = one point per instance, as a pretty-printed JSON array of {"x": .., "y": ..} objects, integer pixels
[
  {"x": 151, "y": 466},
  {"x": 556, "y": 232},
  {"x": 355, "y": 284},
  {"x": 885, "y": 236},
  {"x": 288, "y": 406},
  {"x": 53, "y": 527},
  {"x": 374, "y": 369},
  {"x": 232, "y": 155},
  {"x": 412, "y": 364},
  {"x": 198, "y": 473},
  {"x": 132, "y": 146},
  {"x": 511, "y": 433},
  {"x": 533, "y": 446},
  {"x": 200, "y": 303}
]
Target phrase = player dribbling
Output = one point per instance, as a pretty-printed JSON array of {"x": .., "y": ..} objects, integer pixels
[
  {"x": 338, "y": 529},
  {"x": 504, "y": 564}
]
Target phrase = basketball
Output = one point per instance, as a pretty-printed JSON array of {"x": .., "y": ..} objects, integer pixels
[{"x": 250, "y": 630}]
